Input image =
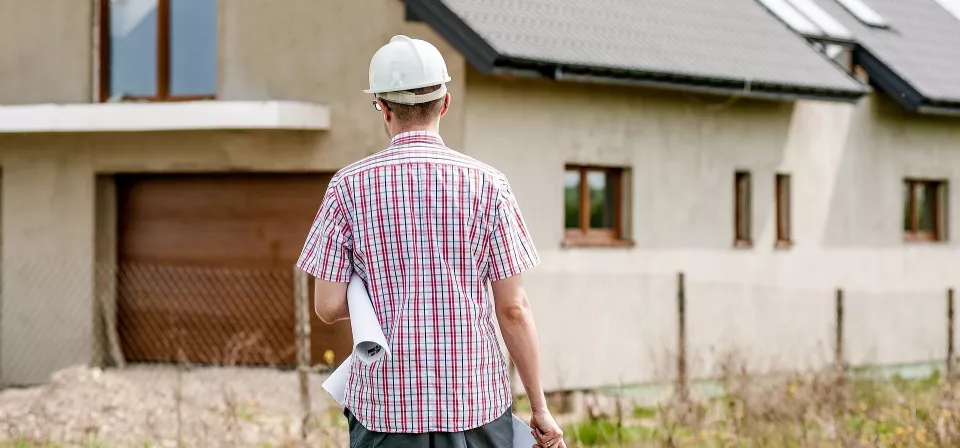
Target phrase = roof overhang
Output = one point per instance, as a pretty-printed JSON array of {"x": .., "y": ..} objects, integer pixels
[
  {"x": 489, "y": 61},
  {"x": 168, "y": 116},
  {"x": 891, "y": 83},
  {"x": 670, "y": 81}
]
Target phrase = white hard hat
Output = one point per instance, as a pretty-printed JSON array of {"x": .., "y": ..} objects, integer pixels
[{"x": 406, "y": 64}]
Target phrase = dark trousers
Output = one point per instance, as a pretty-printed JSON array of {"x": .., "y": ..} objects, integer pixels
[{"x": 496, "y": 434}]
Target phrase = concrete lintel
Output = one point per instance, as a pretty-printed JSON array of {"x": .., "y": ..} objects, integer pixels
[{"x": 170, "y": 116}]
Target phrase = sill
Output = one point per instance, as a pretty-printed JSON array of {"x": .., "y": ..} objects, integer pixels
[
  {"x": 164, "y": 116},
  {"x": 783, "y": 244},
  {"x": 157, "y": 99},
  {"x": 743, "y": 244},
  {"x": 916, "y": 240},
  {"x": 576, "y": 242}
]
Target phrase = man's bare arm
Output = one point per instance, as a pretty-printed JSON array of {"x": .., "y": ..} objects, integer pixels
[
  {"x": 330, "y": 301},
  {"x": 520, "y": 334}
]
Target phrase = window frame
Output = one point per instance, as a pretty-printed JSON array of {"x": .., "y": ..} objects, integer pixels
[
  {"x": 163, "y": 59},
  {"x": 914, "y": 234},
  {"x": 742, "y": 215},
  {"x": 783, "y": 191},
  {"x": 584, "y": 236}
]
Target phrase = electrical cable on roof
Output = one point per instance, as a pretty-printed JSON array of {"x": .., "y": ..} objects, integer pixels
[{"x": 747, "y": 86}]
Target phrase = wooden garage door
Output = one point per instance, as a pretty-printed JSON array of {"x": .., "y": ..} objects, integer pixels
[{"x": 206, "y": 267}]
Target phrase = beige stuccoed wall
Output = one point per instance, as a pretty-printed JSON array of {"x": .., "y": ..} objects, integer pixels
[
  {"x": 47, "y": 263},
  {"x": 46, "y": 51},
  {"x": 304, "y": 50},
  {"x": 608, "y": 315},
  {"x": 319, "y": 51}
]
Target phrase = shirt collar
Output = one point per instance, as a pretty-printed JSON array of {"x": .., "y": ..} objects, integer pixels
[{"x": 417, "y": 137}]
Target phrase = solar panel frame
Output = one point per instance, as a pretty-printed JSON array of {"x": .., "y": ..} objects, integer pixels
[
  {"x": 864, "y": 13},
  {"x": 952, "y": 7},
  {"x": 822, "y": 19},
  {"x": 787, "y": 13}
]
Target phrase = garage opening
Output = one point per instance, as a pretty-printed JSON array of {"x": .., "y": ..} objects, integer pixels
[{"x": 205, "y": 268}]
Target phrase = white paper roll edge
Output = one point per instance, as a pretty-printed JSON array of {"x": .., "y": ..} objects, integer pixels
[{"x": 369, "y": 343}]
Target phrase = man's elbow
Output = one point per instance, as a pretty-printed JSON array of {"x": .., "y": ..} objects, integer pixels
[
  {"x": 515, "y": 313},
  {"x": 330, "y": 301},
  {"x": 326, "y": 315}
]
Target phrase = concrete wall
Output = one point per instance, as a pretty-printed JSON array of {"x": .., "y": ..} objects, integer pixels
[
  {"x": 46, "y": 51},
  {"x": 47, "y": 266},
  {"x": 320, "y": 51},
  {"x": 49, "y": 212},
  {"x": 616, "y": 307}
]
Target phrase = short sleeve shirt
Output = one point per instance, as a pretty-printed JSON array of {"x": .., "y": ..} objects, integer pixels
[{"x": 427, "y": 229}]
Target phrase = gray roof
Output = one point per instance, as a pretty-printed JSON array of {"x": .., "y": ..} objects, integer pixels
[
  {"x": 723, "y": 40},
  {"x": 921, "y": 46}
]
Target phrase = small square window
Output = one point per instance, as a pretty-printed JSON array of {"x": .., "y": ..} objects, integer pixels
[
  {"x": 924, "y": 210},
  {"x": 592, "y": 206}
]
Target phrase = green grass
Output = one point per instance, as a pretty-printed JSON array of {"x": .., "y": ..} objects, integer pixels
[
  {"x": 604, "y": 433},
  {"x": 820, "y": 410},
  {"x": 521, "y": 404}
]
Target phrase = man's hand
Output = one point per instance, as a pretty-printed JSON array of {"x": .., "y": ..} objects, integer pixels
[
  {"x": 520, "y": 334},
  {"x": 546, "y": 430}
]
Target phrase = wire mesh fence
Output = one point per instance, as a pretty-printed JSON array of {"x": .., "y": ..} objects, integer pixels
[
  {"x": 168, "y": 355},
  {"x": 206, "y": 315},
  {"x": 180, "y": 355}
]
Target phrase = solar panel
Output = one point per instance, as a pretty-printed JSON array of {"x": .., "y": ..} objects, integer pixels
[
  {"x": 865, "y": 13},
  {"x": 793, "y": 18},
  {"x": 822, "y": 19},
  {"x": 952, "y": 6}
]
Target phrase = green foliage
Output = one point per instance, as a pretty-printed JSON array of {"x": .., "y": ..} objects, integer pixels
[
  {"x": 607, "y": 433},
  {"x": 819, "y": 410}
]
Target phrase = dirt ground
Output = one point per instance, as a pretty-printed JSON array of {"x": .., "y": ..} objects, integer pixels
[{"x": 161, "y": 405}]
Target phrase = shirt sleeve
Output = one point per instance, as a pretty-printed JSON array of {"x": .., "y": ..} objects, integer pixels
[
  {"x": 328, "y": 251},
  {"x": 511, "y": 247}
]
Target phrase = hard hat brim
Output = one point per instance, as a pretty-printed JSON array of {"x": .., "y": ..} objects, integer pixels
[{"x": 414, "y": 86}]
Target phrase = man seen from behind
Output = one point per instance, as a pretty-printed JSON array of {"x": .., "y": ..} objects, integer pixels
[{"x": 427, "y": 229}]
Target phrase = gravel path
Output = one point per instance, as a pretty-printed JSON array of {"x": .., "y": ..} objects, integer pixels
[{"x": 219, "y": 407}]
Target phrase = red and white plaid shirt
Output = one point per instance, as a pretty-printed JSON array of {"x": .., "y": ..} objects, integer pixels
[{"x": 426, "y": 228}]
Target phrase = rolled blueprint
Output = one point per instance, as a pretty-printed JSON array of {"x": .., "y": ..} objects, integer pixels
[
  {"x": 336, "y": 383},
  {"x": 369, "y": 343}
]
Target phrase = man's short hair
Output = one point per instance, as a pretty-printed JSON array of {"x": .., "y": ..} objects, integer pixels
[{"x": 418, "y": 114}]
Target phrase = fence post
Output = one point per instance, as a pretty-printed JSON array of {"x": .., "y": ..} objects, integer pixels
[
  {"x": 301, "y": 297},
  {"x": 838, "y": 342},
  {"x": 950, "y": 334},
  {"x": 681, "y": 385}
]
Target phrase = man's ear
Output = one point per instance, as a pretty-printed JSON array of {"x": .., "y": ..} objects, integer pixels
[
  {"x": 384, "y": 110},
  {"x": 446, "y": 105}
]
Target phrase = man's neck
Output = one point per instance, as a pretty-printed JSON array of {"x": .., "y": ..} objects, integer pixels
[{"x": 431, "y": 128}]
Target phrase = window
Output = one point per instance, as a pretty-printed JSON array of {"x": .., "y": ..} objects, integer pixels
[
  {"x": 952, "y": 7},
  {"x": 864, "y": 12},
  {"x": 783, "y": 210},
  {"x": 793, "y": 18},
  {"x": 158, "y": 50},
  {"x": 592, "y": 206},
  {"x": 924, "y": 210},
  {"x": 742, "y": 212},
  {"x": 830, "y": 26},
  {"x": 807, "y": 18}
]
